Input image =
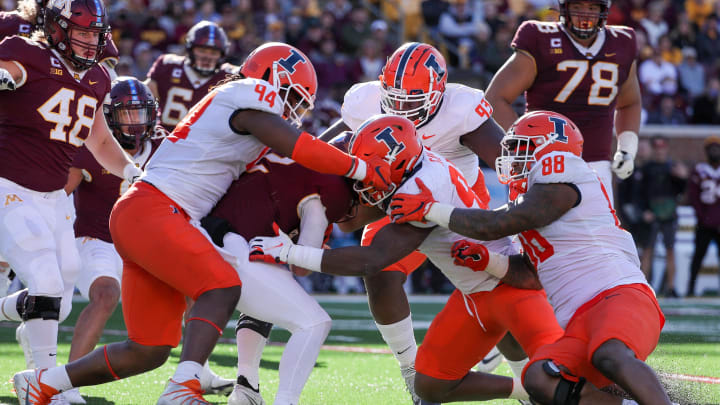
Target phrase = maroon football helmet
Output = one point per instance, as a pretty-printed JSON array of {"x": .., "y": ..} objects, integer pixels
[
  {"x": 583, "y": 32},
  {"x": 210, "y": 35},
  {"x": 132, "y": 111},
  {"x": 61, "y": 17}
]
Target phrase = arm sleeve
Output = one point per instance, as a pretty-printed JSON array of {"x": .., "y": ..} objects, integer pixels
[
  {"x": 525, "y": 38},
  {"x": 313, "y": 221}
]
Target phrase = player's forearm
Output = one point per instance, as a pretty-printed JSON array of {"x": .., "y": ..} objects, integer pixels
[
  {"x": 521, "y": 274},
  {"x": 627, "y": 118},
  {"x": 111, "y": 156},
  {"x": 321, "y": 157},
  {"x": 503, "y": 112},
  {"x": 486, "y": 225}
]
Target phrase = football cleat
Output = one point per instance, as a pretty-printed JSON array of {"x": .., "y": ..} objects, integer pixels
[
  {"x": 212, "y": 383},
  {"x": 245, "y": 394},
  {"x": 184, "y": 393},
  {"x": 24, "y": 342},
  {"x": 491, "y": 361},
  {"x": 73, "y": 396},
  {"x": 29, "y": 389}
]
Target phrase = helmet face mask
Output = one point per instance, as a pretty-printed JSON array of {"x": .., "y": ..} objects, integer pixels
[
  {"x": 296, "y": 99},
  {"x": 131, "y": 113},
  {"x": 413, "y": 82},
  {"x": 584, "y": 18},
  {"x": 77, "y": 29}
]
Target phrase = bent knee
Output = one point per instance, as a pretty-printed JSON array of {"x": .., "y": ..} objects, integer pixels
[
  {"x": 611, "y": 355},
  {"x": 538, "y": 384},
  {"x": 429, "y": 389},
  {"x": 105, "y": 292},
  {"x": 153, "y": 356}
]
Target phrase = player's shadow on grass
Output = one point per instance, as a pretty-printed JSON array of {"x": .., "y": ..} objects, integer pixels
[
  {"x": 226, "y": 360},
  {"x": 90, "y": 400}
]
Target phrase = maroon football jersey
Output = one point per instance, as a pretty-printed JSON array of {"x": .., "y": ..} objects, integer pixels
[
  {"x": 180, "y": 87},
  {"x": 272, "y": 192},
  {"x": 583, "y": 85},
  {"x": 97, "y": 193},
  {"x": 704, "y": 195},
  {"x": 48, "y": 117},
  {"x": 12, "y": 24}
]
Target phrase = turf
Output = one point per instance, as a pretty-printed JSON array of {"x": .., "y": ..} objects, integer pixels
[{"x": 689, "y": 346}]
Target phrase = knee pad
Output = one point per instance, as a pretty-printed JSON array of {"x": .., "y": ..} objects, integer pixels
[
  {"x": 567, "y": 391},
  {"x": 248, "y": 322},
  {"x": 40, "y": 307}
]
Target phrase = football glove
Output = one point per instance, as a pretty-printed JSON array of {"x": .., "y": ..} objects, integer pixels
[
  {"x": 271, "y": 249},
  {"x": 412, "y": 207},
  {"x": 471, "y": 255},
  {"x": 7, "y": 82},
  {"x": 376, "y": 173},
  {"x": 623, "y": 161}
]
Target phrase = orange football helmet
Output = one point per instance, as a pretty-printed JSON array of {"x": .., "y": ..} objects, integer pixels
[
  {"x": 393, "y": 139},
  {"x": 290, "y": 72},
  {"x": 413, "y": 82},
  {"x": 532, "y": 136}
]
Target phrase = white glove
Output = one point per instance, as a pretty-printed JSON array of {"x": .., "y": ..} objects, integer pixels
[
  {"x": 131, "y": 173},
  {"x": 271, "y": 249},
  {"x": 6, "y": 80},
  {"x": 623, "y": 162}
]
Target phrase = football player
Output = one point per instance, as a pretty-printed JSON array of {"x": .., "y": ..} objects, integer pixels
[
  {"x": 179, "y": 82},
  {"x": 452, "y": 120},
  {"x": 482, "y": 309},
  {"x": 587, "y": 263},
  {"x": 51, "y": 93},
  {"x": 29, "y": 17},
  {"x": 583, "y": 69},
  {"x": 303, "y": 203},
  {"x": 222, "y": 136}
]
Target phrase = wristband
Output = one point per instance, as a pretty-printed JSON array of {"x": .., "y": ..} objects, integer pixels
[
  {"x": 306, "y": 257},
  {"x": 627, "y": 141},
  {"x": 440, "y": 214},
  {"x": 359, "y": 170},
  {"x": 498, "y": 265}
]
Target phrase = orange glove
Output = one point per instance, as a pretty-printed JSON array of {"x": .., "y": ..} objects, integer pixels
[
  {"x": 471, "y": 255},
  {"x": 412, "y": 207}
]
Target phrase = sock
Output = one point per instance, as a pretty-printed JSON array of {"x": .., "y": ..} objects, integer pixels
[
  {"x": 298, "y": 360},
  {"x": 517, "y": 366},
  {"x": 42, "y": 336},
  {"x": 400, "y": 337},
  {"x": 58, "y": 378},
  {"x": 629, "y": 402},
  {"x": 250, "y": 346},
  {"x": 187, "y": 370},
  {"x": 518, "y": 391},
  {"x": 8, "y": 307}
]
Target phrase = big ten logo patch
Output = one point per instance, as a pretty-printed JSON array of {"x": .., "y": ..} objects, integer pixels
[{"x": 176, "y": 75}]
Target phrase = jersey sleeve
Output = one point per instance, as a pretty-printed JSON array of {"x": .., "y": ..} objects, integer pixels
[
  {"x": 110, "y": 53},
  {"x": 561, "y": 167},
  {"x": 477, "y": 108},
  {"x": 251, "y": 94},
  {"x": 83, "y": 159},
  {"x": 525, "y": 38},
  {"x": 336, "y": 196},
  {"x": 12, "y": 48},
  {"x": 355, "y": 109}
]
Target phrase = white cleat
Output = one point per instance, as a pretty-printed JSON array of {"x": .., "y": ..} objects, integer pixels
[
  {"x": 184, "y": 393},
  {"x": 491, "y": 361},
  {"x": 24, "y": 342},
  {"x": 212, "y": 383},
  {"x": 30, "y": 391},
  {"x": 245, "y": 394},
  {"x": 59, "y": 399},
  {"x": 73, "y": 396}
]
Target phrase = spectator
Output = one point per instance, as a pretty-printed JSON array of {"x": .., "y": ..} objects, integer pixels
[
  {"x": 379, "y": 34},
  {"x": 335, "y": 69},
  {"x": 339, "y": 8},
  {"x": 370, "y": 60},
  {"x": 275, "y": 31},
  {"x": 658, "y": 76},
  {"x": 683, "y": 35},
  {"x": 705, "y": 107},
  {"x": 152, "y": 33},
  {"x": 207, "y": 12},
  {"x": 663, "y": 181},
  {"x": 144, "y": 59},
  {"x": 691, "y": 74},
  {"x": 653, "y": 24},
  {"x": 294, "y": 31},
  {"x": 459, "y": 25},
  {"x": 313, "y": 37},
  {"x": 497, "y": 51},
  {"x": 699, "y": 10},
  {"x": 432, "y": 10},
  {"x": 708, "y": 42},
  {"x": 704, "y": 196},
  {"x": 629, "y": 198},
  {"x": 668, "y": 52},
  {"x": 667, "y": 113},
  {"x": 354, "y": 32}
]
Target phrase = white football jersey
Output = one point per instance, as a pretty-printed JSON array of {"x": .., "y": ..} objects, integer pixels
[
  {"x": 585, "y": 251},
  {"x": 197, "y": 162},
  {"x": 462, "y": 110},
  {"x": 449, "y": 186}
]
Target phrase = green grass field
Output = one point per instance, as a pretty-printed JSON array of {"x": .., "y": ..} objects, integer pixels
[{"x": 689, "y": 348}]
